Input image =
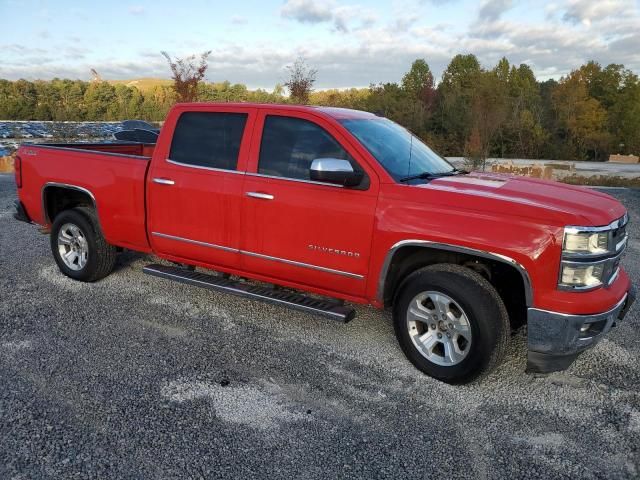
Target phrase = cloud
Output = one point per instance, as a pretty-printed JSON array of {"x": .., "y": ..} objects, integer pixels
[
  {"x": 136, "y": 10},
  {"x": 404, "y": 21},
  {"x": 365, "y": 51},
  {"x": 22, "y": 50},
  {"x": 352, "y": 17},
  {"x": 307, "y": 11},
  {"x": 74, "y": 53},
  {"x": 588, "y": 11},
  {"x": 343, "y": 17},
  {"x": 493, "y": 9},
  {"x": 238, "y": 20},
  {"x": 554, "y": 48}
]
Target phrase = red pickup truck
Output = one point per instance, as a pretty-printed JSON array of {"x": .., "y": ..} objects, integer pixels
[{"x": 319, "y": 206}]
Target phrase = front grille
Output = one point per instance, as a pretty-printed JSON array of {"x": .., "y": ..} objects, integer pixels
[
  {"x": 619, "y": 235},
  {"x": 620, "y": 232},
  {"x": 612, "y": 271}
]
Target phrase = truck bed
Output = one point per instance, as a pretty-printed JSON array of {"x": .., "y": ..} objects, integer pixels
[{"x": 113, "y": 174}]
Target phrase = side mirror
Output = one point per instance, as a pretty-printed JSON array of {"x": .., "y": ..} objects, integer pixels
[{"x": 334, "y": 170}]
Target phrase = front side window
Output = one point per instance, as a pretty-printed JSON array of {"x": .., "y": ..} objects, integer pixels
[
  {"x": 289, "y": 145},
  {"x": 208, "y": 139},
  {"x": 398, "y": 151}
]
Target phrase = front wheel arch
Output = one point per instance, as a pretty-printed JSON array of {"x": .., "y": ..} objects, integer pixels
[{"x": 509, "y": 278}]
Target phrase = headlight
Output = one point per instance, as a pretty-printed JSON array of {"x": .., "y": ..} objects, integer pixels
[
  {"x": 591, "y": 255},
  {"x": 582, "y": 276},
  {"x": 585, "y": 242}
]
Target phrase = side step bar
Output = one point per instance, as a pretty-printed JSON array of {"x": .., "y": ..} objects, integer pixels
[{"x": 327, "y": 308}]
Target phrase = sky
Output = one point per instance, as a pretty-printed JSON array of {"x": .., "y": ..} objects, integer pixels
[{"x": 352, "y": 43}]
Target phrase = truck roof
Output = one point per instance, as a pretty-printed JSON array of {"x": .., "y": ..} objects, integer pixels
[{"x": 335, "y": 112}]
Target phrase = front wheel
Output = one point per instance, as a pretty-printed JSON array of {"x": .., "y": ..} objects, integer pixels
[
  {"x": 451, "y": 323},
  {"x": 79, "y": 247}
]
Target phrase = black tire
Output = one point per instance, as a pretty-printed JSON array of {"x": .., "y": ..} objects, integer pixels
[
  {"x": 101, "y": 256},
  {"x": 480, "y": 303}
]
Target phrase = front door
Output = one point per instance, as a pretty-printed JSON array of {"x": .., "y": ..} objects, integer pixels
[
  {"x": 297, "y": 230},
  {"x": 195, "y": 192}
]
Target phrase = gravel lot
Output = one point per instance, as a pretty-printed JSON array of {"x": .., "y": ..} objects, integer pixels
[{"x": 137, "y": 377}]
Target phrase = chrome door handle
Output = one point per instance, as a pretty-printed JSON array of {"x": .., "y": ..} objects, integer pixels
[
  {"x": 263, "y": 196},
  {"x": 163, "y": 181}
]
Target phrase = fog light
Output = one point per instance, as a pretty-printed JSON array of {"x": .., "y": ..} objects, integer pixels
[{"x": 592, "y": 329}]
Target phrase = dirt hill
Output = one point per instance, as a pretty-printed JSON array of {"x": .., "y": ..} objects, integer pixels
[{"x": 142, "y": 84}]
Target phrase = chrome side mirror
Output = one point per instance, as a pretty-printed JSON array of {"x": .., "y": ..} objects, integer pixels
[{"x": 334, "y": 170}]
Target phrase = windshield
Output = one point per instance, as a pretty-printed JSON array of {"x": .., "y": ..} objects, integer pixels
[{"x": 398, "y": 151}]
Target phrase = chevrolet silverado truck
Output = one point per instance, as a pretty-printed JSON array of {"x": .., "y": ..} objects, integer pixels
[{"x": 312, "y": 207}]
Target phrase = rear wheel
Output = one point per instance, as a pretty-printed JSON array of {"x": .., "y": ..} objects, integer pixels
[
  {"x": 451, "y": 323},
  {"x": 79, "y": 247}
]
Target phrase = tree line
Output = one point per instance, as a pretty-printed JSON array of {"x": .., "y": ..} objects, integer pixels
[{"x": 473, "y": 111}]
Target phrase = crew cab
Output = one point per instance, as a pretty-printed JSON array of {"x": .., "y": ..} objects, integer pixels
[{"x": 312, "y": 207}]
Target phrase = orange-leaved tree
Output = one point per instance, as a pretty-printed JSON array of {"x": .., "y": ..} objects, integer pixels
[
  {"x": 187, "y": 73},
  {"x": 300, "y": 81}
]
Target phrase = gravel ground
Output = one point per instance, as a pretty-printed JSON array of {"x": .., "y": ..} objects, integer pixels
[{"x": 137, "y": 377}]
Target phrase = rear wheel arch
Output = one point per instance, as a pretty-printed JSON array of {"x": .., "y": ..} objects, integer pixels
[
  {"x": 508, "y": 277},
  {"x": 57, "y": 197}
]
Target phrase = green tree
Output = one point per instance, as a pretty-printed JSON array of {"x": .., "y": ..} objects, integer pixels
[
  {"x": 455, "y": 94},
  {"x": 626, "y": 113},
  {"x": 6, "y": 87},
  {"x": 71, "y": 105},
  {"x": 352, "y": 98},
  {"x": 418, "y": 83},
  {"x": 157, "y": 102},
  {"x": 392, "y": 101},
  {"x": 489, "y": 110},
  {"x": 582, "y": 117},
  {"x": 22, "y": 101},
  {"x": 522, "y": 134},
  {"x": 98, "y": 98},
  {"x": 616, "y": 89},
  {"x": 47, "y": 101},
  {"x": 504, "y": 111}
]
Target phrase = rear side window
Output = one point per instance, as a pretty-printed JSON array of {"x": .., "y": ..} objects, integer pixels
[
  {"x": 289, "y": 145},
  {"x": 208, "y": 139}
]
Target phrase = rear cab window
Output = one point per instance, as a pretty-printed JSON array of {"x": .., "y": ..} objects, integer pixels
[
  {"x": 290, "y": 144},
  {"x": 208, "y": 139}
]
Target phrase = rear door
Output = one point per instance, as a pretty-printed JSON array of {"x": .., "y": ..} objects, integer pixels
[
  {"x": 298, "y": 230},
  {"x": 194, "y": 189}
]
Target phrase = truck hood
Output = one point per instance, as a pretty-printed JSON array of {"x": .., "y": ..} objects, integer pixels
[{"x": 529, "y": 197}]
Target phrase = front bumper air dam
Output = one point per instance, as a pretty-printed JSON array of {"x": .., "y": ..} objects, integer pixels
[{"x": 556, "y": 339}]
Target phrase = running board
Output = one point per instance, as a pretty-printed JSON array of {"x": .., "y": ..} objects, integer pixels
[{"x": 328, "y": 308}]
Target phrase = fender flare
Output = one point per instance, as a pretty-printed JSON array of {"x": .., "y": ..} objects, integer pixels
[
  {"x": 526, "y": 279},
  {"x": 45, "y": 215}
]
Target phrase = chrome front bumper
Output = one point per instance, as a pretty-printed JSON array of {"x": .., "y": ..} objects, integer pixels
[{"x": 556, "y": 339}]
